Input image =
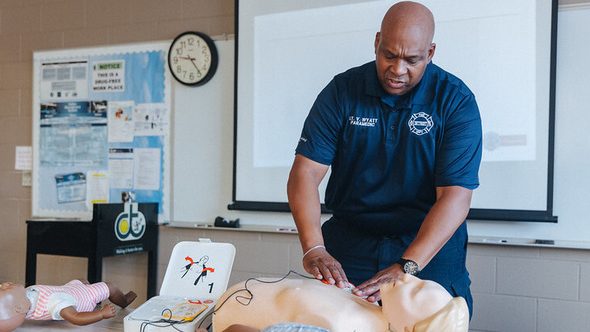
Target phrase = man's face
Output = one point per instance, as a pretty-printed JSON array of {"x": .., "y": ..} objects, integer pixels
[{"x": 401, "y": 57}]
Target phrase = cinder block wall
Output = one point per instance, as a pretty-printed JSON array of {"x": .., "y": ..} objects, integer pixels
[{"x": 529, "y": 289}]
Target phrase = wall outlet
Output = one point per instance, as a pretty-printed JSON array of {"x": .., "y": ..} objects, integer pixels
[{"x": 26, "y": 179}]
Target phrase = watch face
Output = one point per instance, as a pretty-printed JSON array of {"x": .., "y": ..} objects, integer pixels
[
  {"x": 192, "y": 58},
  {"x": 411, "y": 267}
]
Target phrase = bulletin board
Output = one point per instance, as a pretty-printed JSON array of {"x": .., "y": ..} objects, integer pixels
[{"x": 101, "y": 127}]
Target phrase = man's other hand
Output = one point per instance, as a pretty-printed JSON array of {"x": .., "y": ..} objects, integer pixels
[{"x": 370, "y": 288}]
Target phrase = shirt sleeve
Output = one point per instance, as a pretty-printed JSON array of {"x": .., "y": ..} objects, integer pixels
[
  {"x": 319, "y": 137},
  {"x": 57, "y": 302},
  {"x": 459, "y": 156}
]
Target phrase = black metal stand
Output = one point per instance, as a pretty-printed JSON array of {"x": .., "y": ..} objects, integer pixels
[{"x": 97, "y": 239}]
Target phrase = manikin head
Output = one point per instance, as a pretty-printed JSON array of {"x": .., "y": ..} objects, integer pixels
[
  {"x": 14, "y": 305},
  {"x": 410, "y": 301}
]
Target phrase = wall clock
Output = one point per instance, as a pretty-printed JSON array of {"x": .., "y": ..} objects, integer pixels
[{"x": 193, "y": 58}]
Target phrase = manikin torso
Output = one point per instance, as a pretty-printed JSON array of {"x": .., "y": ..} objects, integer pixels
[{"x": 312, "y": 302}]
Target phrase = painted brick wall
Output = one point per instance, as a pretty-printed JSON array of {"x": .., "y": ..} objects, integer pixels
[{"x": 30, "y": 25}]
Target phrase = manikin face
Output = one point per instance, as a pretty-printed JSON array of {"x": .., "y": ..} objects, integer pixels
[
  {"x": 410, "y": 300},
  {"x": 13, "y": 306}
]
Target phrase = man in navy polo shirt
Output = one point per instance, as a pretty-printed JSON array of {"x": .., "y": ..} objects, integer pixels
[{"x": 403, "y": 138}]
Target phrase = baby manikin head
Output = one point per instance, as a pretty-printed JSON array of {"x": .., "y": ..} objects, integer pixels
[{"x": 13, "y": 306}]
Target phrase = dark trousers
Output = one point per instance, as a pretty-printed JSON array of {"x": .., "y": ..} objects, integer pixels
[{"x": 363, "y": 254}]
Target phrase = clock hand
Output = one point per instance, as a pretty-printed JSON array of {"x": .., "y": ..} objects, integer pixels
[
  {"x": 192, "y": 61},
  {"x": 194, "y": 64}
]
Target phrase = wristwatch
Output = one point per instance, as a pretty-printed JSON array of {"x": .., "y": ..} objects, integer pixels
[{"x": 409, "y": 266}]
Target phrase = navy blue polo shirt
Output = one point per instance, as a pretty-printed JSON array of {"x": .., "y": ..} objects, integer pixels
[{"x": 389, "y": 153}]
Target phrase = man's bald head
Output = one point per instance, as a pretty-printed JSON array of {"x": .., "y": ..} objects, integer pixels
[
  {"x": 404, "y": 46},
  {"x": 409, "y": 16}
]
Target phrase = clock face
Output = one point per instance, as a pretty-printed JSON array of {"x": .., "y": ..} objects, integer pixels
[{"x": 192, "y": 58}]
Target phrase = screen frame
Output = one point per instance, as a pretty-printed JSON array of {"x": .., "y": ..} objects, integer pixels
[{"x": 545, "y": 216}]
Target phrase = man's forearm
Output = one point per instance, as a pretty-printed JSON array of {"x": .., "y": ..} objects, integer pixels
[
  {"x": 441, "y": 222},
  {"x": 304, "y": 202},
  {"x": 304, "y": 199}
]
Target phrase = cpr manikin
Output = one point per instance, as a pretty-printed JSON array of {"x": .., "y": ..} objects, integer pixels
[
  {"x": 74, "y": 302},
  {"x": 411, "y": 304}
]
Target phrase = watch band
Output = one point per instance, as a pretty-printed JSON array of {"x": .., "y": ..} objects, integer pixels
[{"x": 409, "y": 266}]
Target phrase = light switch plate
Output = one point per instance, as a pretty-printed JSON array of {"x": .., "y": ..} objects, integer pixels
[{"x": 26, "y": 179}]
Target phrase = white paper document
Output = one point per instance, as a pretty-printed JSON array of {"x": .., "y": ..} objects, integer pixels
[
  {"x": 121, "y": 168},
  {"x": 120, "y": 120},
  {"x": 146, "y": 169},
  {"x": 23, "y": 158},
  {"x": 97, "y": 187}
]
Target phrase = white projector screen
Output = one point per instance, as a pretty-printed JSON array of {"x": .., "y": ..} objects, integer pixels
[{"x": 503, "y": 50}]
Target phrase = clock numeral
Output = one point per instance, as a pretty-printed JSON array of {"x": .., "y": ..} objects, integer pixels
[
  {"x": 178, "y": 69},
  {"x": 179, "y": 51},
  {"x": 175, "y": 59},
  {"x": 191, "y": 41},
  {"x": 191, "y": 76}
]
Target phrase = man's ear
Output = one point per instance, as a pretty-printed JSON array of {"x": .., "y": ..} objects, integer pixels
[
  {"x": 377, "y": 40},
  {"x": 431, "y": 51}
]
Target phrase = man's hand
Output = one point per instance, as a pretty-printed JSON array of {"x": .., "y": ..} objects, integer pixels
[
  {"x": 370, "y": 288},
  {"x": 322, "y": 265}
]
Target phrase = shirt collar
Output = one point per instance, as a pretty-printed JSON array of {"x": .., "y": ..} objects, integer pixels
[{"x": 422, "y": 93}]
